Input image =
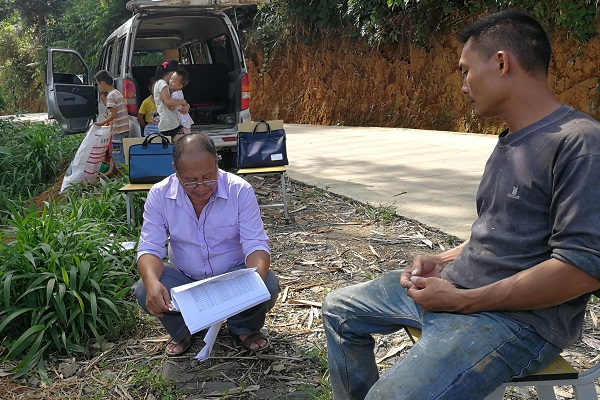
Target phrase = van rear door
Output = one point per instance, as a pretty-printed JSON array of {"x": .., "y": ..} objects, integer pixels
[
  {"x": 164, "y": 5},
  {"x": 70, "y": 91}
]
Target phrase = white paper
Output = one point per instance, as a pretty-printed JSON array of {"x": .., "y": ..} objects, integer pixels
[
  {"x": 276, "y": 157},
  {"x": 207, "y": 302},
  {"x": 209, "y": 340}
]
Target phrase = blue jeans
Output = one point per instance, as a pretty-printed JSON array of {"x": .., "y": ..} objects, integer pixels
[
  {"x": 117, "y": 151},
  {"x": 457, "y": 357},
  {"x": 245, "y": 323}
]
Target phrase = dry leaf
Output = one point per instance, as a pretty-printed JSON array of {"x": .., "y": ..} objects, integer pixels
[
  {"x": 310, "y": 318},
  {"x": 392, "y": 352},
  {"x": 592, "y": 342},
  {"x": 374, "y": 252},
  {"x": 564, "y": 393},
  {"x": 426, "y": 241},
  {"x": 594, "y": 318},
  {"x": 285, "y": 294},
  {"x": 278, "y": 367}
]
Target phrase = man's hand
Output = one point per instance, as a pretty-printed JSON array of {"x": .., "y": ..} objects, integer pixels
[
  {"x": 158, "y": 300},
  {"x": 100, "y": 123},
  {"x": 423, "y": 266},
  {"x": 435, "y": 294}
]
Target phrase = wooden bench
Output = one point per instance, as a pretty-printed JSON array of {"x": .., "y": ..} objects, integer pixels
[
  {"x": 558, "y": 373},
  {"x": 266, "y": 171}
]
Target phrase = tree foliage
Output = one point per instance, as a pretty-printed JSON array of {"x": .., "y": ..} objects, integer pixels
[
  {"x": 29, "y": 27},
  {"x": 413, "y": 21}
]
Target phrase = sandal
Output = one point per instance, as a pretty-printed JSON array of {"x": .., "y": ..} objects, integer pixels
[
  {"x": 251, "y": 339},
  {"x": 184, "y": 344}
]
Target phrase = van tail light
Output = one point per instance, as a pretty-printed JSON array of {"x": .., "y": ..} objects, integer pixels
[
  {"x": 245, "y": 92},
  {"x": 130, "y": 96}
]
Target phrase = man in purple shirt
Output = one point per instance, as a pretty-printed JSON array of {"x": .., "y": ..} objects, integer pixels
[{"x": 211, "y": 221}]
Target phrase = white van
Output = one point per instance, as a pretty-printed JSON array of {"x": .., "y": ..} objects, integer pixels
[{"x": 196, "y": 33}]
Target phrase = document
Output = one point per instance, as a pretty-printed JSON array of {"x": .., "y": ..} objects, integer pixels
[{"x": 213, "y": 300}]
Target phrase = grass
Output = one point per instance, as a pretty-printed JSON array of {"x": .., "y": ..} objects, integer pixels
[
  {"x": 33, "y": 155},
  {"x": 380, "y": 212},
  {"x": 144, "y": 379},
  {"x": 318, "y": 355}
]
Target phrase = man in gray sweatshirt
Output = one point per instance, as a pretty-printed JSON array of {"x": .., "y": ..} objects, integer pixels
[{"x": 504, "y": 303}]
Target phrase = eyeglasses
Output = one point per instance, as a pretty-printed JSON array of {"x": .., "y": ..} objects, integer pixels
[{"x": 194, "y": 185}]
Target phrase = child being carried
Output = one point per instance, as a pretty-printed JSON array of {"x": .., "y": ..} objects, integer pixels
[{"x": 178, "y": 81}]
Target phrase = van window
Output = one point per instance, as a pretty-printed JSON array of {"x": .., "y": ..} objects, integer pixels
[
  {"x": 220, "y": 51},
  {"x": 68, "y": 68},
  {"x": 184, "y": 56},
  {"x": 109, "y": 56},
  {"x": 197, "y": 53},
  {"x": 102, "y": 60},
  {"x": 119, "y": 60}
]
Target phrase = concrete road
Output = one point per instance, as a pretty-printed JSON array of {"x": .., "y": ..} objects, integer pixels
[{"x": 429, "y": 176}]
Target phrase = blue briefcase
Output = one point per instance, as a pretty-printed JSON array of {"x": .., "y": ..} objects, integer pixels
[{"x": 151, "y": 162}]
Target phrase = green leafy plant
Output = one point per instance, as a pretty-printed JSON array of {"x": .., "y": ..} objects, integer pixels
[
  {"x": 33, "y": 155},
  {"x": 318, "y": 355},
  {"x": 380, "y": 212},
  {"x": 64, "y": 281},
  {"x": 578, "y": 18},
  {"x": 145, "y": 378}
]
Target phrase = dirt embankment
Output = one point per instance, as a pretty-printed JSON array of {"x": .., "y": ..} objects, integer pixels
[{"x": 342, "y": 81}]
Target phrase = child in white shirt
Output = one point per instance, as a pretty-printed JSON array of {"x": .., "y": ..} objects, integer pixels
[{"x": 178, "y": 81}]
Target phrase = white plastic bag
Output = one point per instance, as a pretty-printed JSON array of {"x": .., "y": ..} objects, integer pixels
[{"x": 89, "y": 157}]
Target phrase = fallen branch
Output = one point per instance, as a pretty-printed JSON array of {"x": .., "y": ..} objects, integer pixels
[{"x": 299, "y": 302}]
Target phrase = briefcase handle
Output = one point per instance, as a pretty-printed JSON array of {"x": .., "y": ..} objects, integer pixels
[
  {"x": 262, "y": 121},
  {"x": 149, "y": 139}
]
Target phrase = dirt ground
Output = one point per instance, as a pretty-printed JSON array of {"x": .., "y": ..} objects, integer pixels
[{"x": 331, "y": 242}]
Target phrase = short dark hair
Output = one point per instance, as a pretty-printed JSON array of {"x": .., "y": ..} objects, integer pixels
[
  {"x": 193, "y": 142},
  {"x": 185, "y": 76},
  {"x": 514, "y": 31},
  {"x": 104, "y": 76},
  {"x": 152, "y": 81},
  {"x": 166, "y": 67}
]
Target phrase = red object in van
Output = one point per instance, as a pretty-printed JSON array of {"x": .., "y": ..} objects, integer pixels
[
  {"x": 130, "y": 95},
  {"x": 245, "y": 92}
]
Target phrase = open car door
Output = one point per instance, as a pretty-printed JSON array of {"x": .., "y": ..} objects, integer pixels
[{"x": 70, "y": 91}]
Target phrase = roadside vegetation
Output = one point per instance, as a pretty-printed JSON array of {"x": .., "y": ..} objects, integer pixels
[
  {"x": 31, "y": 157},
  {"x": 65, "y": 278},
  {"x": 403, "y": 22}
]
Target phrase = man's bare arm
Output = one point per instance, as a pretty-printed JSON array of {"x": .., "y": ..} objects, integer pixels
[
  {"x": 261, "y": 260},
  {"x": 549, "y": 283},
  {"x": 151, "y": 269}
]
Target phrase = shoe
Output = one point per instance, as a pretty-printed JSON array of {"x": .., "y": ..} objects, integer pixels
[
  {"x": 250, "y": 339},
  {"x": 185, "y": 345}
]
